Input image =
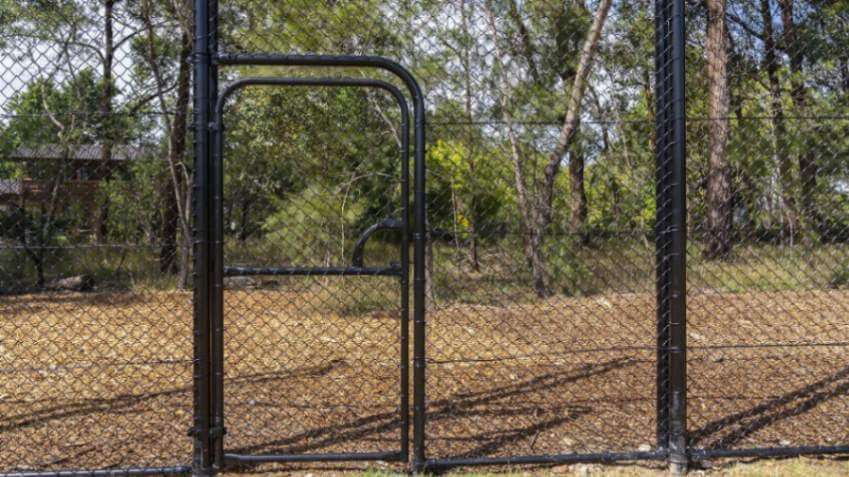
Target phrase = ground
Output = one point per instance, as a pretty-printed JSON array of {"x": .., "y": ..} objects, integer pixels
[
  {"x": 104, "y": 379},
  {"x": 797, "y": 467}
]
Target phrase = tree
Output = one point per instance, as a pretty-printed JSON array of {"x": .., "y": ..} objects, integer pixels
[
  {"x": 68, "y": 34},
  {"x": 159, "y": 55},
  {"x": 806, "y": 160},
  {"x": 772, "y": 64},
  {"x": 718, "y": 194},
  {"x": 536, "y": 195},
  {"x": 62, "y": 117}
]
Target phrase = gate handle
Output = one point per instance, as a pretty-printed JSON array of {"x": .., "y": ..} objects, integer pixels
[{"x": 359, "y": 248}]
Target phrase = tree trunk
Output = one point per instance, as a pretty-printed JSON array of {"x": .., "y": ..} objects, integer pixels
[
  {"x": 107, "y": 139},
  {"x": 536, "y": 210},
  {"x": 169, "y": 232},
  {"x": 178, "y": 153},
  {"x": 533, "y": 253},
  {"x": 244, "y": 216},
  {"x": 573, "y": 113},
  {"x": 578, "y": 199},
  {"x": 175, "y": 213},
  {"x": 844, "y": 75},
  {"x": 466, "y": 58},
  {"x": 808, "y": 167},
  {"x": 718, "y": 194},
  {"x": 782, "y": 152},
  {"x": 527, "y": 48}
]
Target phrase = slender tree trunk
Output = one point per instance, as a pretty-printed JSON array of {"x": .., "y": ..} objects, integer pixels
[
  {"x": 782, "y": 152},
  {"x": 178, "y": 156},
  {"x": 844, "y": 75},
  {"x": 578, "y": 199},
  {"x": 808, "y": 167},
  {"x": 527, "y": 48},
  {"x": 573, "y": 112},
  {"x": 718, "y": 194},
  {"x": 533, "y": 253},
  {"x": 108, "y": 128},
  {"x": 175, "y": 212},
  {"x": 245, "y": 206},
  {"x": 470, "y": 140},
  {"x": 168, "y": 234},
  {"x": 536, "y": 211}
]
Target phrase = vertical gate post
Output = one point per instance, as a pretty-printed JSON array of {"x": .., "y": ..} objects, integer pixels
[
  {"x": 216, "y": 270},
  {"x": 201, "y": 455},
  {"x": 671, "y": 233},
  {"x": 420, "y": 236}
]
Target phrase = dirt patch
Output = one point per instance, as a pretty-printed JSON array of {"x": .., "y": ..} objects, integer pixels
[{"x": 97, "y": 380}]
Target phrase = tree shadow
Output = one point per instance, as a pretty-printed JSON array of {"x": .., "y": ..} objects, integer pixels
[
  {"x": 457, "y": 406},
  {"x": 748, "y": 422},
  {"x": 124, "y": 402}
]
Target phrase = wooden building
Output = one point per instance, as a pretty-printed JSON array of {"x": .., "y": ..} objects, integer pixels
[{"x": 76, "y": 171}]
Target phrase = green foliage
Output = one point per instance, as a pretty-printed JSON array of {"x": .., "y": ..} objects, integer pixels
[
  {"x": 570, "y": 276},
  {"x": 840, "y": 277},
  {"x": 38, "y": 234},
  {"x": 316, "y": 224},
  {"x": 130, "y": 221},
  {"x": 464, "y": 188},
  {"x": 307, "y": 170}
]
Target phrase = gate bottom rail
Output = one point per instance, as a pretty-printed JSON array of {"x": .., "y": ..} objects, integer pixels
[{"x": 331, "y": 457}]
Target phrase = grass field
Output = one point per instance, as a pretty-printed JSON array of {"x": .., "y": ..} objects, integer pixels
[{"x": 104, "y": 379}]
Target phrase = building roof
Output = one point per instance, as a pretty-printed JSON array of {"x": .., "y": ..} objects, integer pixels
[
  {"x": 82, "y": 152},
  {"x": 10, "y": 187}
]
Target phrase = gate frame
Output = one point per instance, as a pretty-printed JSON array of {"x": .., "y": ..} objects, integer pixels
[
  {"x": 221, "y": 459},
  {"x": 208, "y": 431}
]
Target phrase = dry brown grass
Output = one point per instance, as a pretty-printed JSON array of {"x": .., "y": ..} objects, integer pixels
[{"x": 104, "y": 380}]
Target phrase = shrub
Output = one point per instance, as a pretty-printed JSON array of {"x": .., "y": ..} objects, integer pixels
[
  {"x": 568, "y": 272},
  {"x": 839, "y": 277}
]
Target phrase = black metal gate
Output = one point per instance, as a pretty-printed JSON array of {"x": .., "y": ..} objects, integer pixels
[
  {"x": 399, "y": 270},
  {"x": 256, "y": 437}
]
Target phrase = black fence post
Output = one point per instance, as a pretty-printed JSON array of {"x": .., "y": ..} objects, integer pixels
[
  {"x": 201, "y": 455},
  {"x": 671, "y": 233},
  {"x": 678, "y": 259}
]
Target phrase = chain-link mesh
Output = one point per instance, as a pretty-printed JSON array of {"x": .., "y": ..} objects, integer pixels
[
  {"x": 541, "y": 315},
  {"x": 312, "y": 363},
  {"x": 95, "y": 318},
  {"x": 550, "y": 292},
  {"x": 767, "y": 124}
]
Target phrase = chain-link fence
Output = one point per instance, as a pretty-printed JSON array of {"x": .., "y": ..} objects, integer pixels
[
  {"x": 95, "y": 311},
  {"x": 766, "y": 138},
  {"x": 634, "y": 244}
]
